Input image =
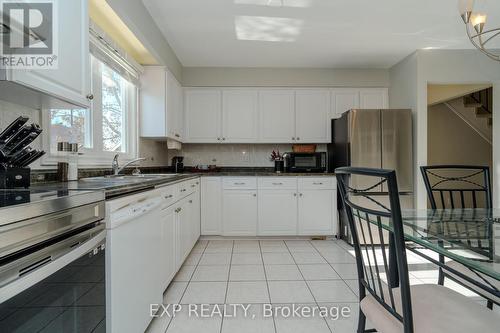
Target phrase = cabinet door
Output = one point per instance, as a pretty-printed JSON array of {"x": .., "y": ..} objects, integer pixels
[
  {"x": 239, "y": 212},
  {"x": 239, "y": 116},
  {"x": 194, "y": 214},
  {"x": 316, "y": 212},
  {"x": 183, "y": 231},
  {"x": 277, "y": 116},
  {"x": 71, "y": 80},
  {"x": 174, "y": 107},
  {"x": 154, "y": 109},
  {"x": 344, "y": 100},
  {"x": 211, "y": 206},
  {"x": 277, "y": 212},
  {"x": 373, "y": 98},
  {"x": 168, "y": 243},
  {"x": 312, "y": 109},
  {"x": 202, "y": 115}
]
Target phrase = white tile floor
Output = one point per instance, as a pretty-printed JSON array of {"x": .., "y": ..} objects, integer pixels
[{"x": 280, "y": 273}]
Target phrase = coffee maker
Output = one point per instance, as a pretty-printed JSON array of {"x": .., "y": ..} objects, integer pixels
[{"x": 177, "y": 164}]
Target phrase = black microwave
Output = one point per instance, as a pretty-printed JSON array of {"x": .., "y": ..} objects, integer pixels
[{"x": 305, "y": 162}]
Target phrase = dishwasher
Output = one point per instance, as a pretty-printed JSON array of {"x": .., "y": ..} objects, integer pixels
[{"x": 132, "y": 272}]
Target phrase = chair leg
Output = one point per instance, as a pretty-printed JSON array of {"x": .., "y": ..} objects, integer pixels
[
  {"x": 361, "y": 322},
  {"x": 490, "y": 304},
  {"x": 441, "y": 277}
]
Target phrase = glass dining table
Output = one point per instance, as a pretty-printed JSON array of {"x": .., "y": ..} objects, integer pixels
[{"x": 470, "y": 237}]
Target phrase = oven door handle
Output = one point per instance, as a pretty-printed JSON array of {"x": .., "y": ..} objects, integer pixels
[{"x": 24, "y": 282}]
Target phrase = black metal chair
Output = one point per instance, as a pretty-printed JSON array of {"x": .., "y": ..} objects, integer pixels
[
  {"x": 458, "y": 187},
  {"x": 386, "y": 297}
]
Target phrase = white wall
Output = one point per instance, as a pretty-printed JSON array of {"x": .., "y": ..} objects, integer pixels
[
  {"x": 282, "y": 77},
  {"x": 444, "y": 67},
  {"x": 403, "y": 94},
  {"x": 135, "y": 15}
]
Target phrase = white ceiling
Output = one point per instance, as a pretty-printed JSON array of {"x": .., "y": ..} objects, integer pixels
[{"x": 310, "y": 33}]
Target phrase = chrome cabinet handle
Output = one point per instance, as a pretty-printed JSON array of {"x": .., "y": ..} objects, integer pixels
[
  {"x": 178, "y": 210},
  {"x": 254, "y": 194},
  {"x": 293, "y": 138},
  {"x": 218, "y": 139},
  {"x": 169, "y": 196},
  {"x": 223, "y": 139},
  {"x": 190, "y": 201},
  {"x": 239, "y": 183},
  {"x": 277, "y": 183},
  {"x": 90, "y": 97},
  {"x": 300, "y": 194},
  {"x": 317, "y": 183},
  {"x": 295, "y": 194},
  {"x": 298, "y": 138},
  {"x": 183, "y": 190}
]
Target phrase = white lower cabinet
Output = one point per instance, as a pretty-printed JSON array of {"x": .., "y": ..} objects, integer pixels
[
  {"x": 316, "y": 211},
  {"x": 269, "y": 206},
  {"x": 211, "y": 206},
  {"x": 183, "y": 231},
  {"x": 168, "y": 245},
  {"x": 277, "y": 212},
  {"x": 239, "y": 213}
]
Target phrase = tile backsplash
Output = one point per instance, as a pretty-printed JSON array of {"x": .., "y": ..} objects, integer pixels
[{"x": 232, "y": 155}]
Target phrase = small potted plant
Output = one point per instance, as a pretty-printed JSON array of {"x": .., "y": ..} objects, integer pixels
[{"x": 279, "y": 163}]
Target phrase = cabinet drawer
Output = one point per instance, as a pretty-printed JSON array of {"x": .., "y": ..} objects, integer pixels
[
  {"x": 232, "y": 183},
  {"x": 317, "y": 183},
  {"x": 193, "y": 185},
  {"x": 270, "y": 183},
  {"x": 185, "y": 188},
  {"x": 170, "y": 194}
]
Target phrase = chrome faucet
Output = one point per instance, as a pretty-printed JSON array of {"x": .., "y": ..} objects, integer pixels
[{"x": 116, "y": 167}]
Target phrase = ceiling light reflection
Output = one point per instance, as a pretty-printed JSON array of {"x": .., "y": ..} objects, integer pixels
[
  {"x": 268, "y": 29},
  {"x": 276, "y": 3}
]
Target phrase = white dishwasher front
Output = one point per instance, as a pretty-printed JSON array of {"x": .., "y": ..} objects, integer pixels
[{"x": 133, "y": 276}]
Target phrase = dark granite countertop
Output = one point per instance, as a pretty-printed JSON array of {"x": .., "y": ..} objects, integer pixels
[{"x": 114, "y": 187}]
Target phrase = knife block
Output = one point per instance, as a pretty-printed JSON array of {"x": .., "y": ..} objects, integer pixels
[{"x": 15, "y": 178}]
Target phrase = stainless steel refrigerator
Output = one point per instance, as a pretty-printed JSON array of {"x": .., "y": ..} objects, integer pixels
[{"x": 374, "y": 139}]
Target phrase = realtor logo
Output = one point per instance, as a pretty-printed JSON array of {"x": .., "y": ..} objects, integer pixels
[{"x": 29, "y": 34}]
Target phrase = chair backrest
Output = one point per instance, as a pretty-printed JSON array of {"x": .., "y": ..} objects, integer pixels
[
  {"x": 377, "y": 230},
  {"x": 457, "y": 186}
]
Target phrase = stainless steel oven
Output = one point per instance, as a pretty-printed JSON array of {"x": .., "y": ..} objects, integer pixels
[
  {"x": 52, "y": 271},
  {"x": 305, "y": 162}
]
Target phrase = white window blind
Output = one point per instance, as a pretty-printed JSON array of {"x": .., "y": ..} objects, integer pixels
[{"x": 105, "y": 49}]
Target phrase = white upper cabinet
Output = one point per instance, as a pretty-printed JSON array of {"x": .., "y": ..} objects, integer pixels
[
  {"x": 240, "y": 116},
  {"x": 202, "y": 115},
  {"x": 373, "y": 98},
  {"x": 175, "y": 110},
  {"x": 70, "y": 82},
  {"x": 344, "y": 100},
  {"x": 277, "y": 116},
  {"x": 312, "y": 109},
  {"x": 161, "y": 104},
  {"x": 246, "y": 115}
]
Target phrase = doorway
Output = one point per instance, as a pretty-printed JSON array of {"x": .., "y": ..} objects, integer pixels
[{"x": 459, "y": 125}]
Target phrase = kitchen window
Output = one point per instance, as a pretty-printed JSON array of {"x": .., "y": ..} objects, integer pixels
[{"x": 109, "y": 127}]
